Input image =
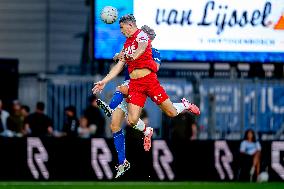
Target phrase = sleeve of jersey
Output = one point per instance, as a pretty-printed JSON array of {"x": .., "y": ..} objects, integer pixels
[
  {"x": 142, "y": 37},
  {"x": 156, "y": 56}
]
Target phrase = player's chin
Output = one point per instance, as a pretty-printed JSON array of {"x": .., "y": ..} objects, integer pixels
[{"x": 126, "y": 35}]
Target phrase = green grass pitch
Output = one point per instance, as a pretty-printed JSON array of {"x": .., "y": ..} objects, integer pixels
[{"x": 138, "y": 185}]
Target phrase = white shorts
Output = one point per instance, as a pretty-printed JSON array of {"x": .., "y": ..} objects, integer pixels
[
  {"x": 123, "y": 104},
  {"x": 123, "y": 107}
]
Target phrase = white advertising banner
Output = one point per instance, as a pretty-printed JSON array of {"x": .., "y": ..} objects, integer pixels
[{"x": 214, "y": 25}]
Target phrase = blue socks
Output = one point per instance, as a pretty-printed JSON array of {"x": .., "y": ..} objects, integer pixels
[
  {"x": 117, "y": 98},
  {"x": 119, "y": 143},
  {"x": 118, "y": 137}
]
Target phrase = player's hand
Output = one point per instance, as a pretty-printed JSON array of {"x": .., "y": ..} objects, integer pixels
[
  {"x": 121, "y": 58},
  {"x": 98, "y": 87},
  {"x": 118, "y": 57},
  {"x": 129, "y": 56}
]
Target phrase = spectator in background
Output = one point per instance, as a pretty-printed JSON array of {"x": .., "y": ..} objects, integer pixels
[
  {"x": 85, "y": 130},
  {"x": 183, "y": 127},
  {"x": 3, "y": 120},
  {"x": 15, "y": 121},
  {"x": 71, "y": 122},
  {"x": 37, "y": 123},
  {"x": 250, "y": 150},
  {"x": 144, "y": 117},
  {"x": 95, "y": 117},
  {"x": 194, "y": 131},
  {"x": 25, "y": 111}
]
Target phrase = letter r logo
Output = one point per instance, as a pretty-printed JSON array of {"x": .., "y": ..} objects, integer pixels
[{"x": 37, "y": 158}]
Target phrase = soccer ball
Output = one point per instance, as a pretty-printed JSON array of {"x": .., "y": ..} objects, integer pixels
[{"x": 109, "y": 14}]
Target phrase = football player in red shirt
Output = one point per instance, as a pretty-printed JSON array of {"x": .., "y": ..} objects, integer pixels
[
  {"x": 117, "y": 109},
  {"x": 137, "y": 54}
]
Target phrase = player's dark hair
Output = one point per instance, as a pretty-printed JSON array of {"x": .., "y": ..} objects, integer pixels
[
  {"x": 253, "y": 135},
  {"x": 40, "y": 106},
  {"x": 127, "y": 18},
  {"x": 149, "y": 31}
]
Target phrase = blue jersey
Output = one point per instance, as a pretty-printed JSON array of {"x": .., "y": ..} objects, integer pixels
[{"x": 156, "y": 56}]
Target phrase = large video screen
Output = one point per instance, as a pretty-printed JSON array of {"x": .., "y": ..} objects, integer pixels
[{"x": 203, "y": 30}]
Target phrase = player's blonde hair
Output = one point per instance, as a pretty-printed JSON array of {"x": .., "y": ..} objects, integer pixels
[{"x": 149, "y": 31}]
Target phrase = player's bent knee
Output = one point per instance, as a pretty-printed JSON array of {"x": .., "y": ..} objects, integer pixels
[
  {"x": 132, "y": 121},
  {"x": 114, "y": 128}
]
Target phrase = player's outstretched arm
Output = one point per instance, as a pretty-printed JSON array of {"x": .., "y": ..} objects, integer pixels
[
  {"x": 115, "y": 70},
  {"x": 99, "y": 86}
]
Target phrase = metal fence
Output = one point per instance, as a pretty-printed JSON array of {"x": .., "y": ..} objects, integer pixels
[
  {"x": 237, "y": 105},
  {"x": 228, "y": 107}
]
